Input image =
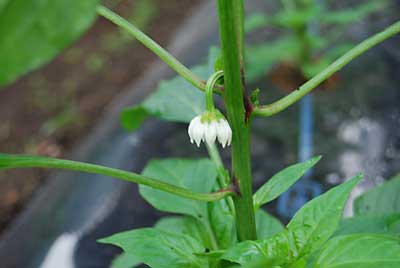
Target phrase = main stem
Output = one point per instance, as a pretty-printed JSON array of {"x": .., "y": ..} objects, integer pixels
[{"x": 231, "y": 13}]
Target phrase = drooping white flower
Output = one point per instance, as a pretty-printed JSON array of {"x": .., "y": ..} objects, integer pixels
[
  {"x": 208, "y": 127},
  {"x": 224, "y": 133}
]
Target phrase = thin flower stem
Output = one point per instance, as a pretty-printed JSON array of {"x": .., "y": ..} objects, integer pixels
[
  {"x": 164, "y": 55},
  {"x": 278, "y": 106},
  {"x": 209, "y": 89},
  {"x": 8, "y": 161},
  {"x": 223, "y": 176}
]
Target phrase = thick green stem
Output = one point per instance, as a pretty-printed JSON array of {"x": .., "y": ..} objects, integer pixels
[
  {"x": 22, "y": 161},
  {"x": 278, "y": 106},
  {"x": 164, "y": 55},
  {"x": 230, "y": 13}
]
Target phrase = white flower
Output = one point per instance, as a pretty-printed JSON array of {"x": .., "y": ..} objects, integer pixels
[{"x": 208, "y": 128}]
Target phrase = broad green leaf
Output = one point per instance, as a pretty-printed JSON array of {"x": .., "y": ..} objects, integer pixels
[
  {"x": 125, "y": 260},
  {"x": 261, "y": 57},
  {"x": 185, "y": 225},
  {"x": 3, "y": 4},
  {"x": 360, "y": 251},
  {"x": 159, "y": 249},
  {"x": 267, "y": 225},
  {"x": 281, "y": 181},
  {"x": 198, "y": 175},
  {"x": 380, "y": 201},
  {"x": 174, "y": 100},
  {"x": 317, "y": 220},
  {"x": 368, "y": 224},
  {"x": 223, "y": 224},
  {"x": 33, "y": 32}
]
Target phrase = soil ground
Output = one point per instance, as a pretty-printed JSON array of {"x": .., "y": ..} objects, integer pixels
[{"x": 49, "y": 111}]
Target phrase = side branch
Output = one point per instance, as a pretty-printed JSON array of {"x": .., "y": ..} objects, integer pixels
[
  {"x": 278, "y": 106},
  {"x": 8, "y": 161},
  {"x": 164, "y": 55}
]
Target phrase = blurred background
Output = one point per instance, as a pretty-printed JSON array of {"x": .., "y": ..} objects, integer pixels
[{"x": 71, "y": 107}]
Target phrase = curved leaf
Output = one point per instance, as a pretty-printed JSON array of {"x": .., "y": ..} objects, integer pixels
[
  {"x": 267, "y": 225},
  {"x": 159, "y": 249},
  {"x": 380, "y": 201},
  {"x": 281, "y": 181},
  {"x": 360, "y": 251},
  {"x": 174, "y": 100},
  {"x": 197, "y": 175},
  {"x": 317, "y": 220}
]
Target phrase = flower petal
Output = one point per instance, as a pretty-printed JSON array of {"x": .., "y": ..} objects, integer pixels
[
  {"x": 211, "y": 132},
  {"x": 191, "y": 128},
  {"x": 222, "y": 133},
  {"x": 198, "y": 131}
]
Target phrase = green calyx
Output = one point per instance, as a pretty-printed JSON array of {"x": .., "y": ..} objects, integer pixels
[{"x": 210, "y": 116}]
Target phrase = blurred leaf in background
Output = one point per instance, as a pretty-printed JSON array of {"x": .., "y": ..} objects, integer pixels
[{"x": 34, "y": 31}]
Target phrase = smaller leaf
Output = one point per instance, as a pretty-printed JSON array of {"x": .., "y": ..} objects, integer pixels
[
  {"x": 159, "y": 249},
  {"x": 174, "y": 100},
  {"x": 317, "y": 220},
  {"x": 267, "y": 225},
  {"x": 380, "y": 201},
  {"x": 133, "y": 117},
  {"x": 125, "y": 260},
  {"x": 198, "y": 175},
  {"x": 360, "y": 251},
  {"x": 281, "y": 181}
]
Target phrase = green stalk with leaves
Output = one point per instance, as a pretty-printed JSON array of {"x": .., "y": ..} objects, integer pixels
[{"x": 221, "y": 223}]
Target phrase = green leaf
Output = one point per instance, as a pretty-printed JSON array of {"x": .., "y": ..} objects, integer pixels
[
  {"x": 174, "y": 100},
  {"x": 223, "y": 224},
  {"x": 353, "y": 14},
  {"x": 187, "y": 226},
  {"x": 368, "y": 224},
  {"x": 360, "y": 251},
  {"x": 261, "y": 57},
  {"x": 255, "y": 21},
  {"x": 33, "y": 32},
  {"x": 133, "y": 117},
  {"x": 125, "y": 260},
  {"x": 380, "y": 201},
  {"x": 317, "y": 220},
  {"x": 281, "y": 181},
  {"x": 198, "y": 175},
  {"x": 274, "y": 251},
  {"x": 159, "y": 249},
  {"x": 294, "y": 18},
  {"x": 267, "y": 225}
]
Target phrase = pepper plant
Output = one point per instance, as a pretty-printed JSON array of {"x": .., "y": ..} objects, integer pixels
[{"x": 221, "y": 222}]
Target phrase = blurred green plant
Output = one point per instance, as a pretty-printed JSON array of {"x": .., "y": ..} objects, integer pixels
[
  {"x": 33, "y": 32},
  {"x": 220, "y": 222}
]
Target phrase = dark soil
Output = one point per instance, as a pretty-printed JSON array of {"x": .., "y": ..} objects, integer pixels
[{"x": 49, "y": 111}]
